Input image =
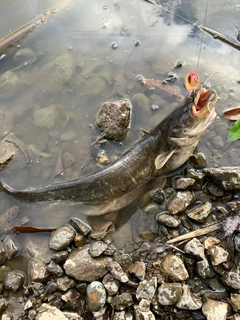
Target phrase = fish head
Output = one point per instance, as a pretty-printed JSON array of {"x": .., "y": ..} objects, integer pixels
[{"x": 193, "y": 117}]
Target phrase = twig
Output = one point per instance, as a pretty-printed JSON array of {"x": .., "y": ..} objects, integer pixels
[
  {"x": 197, "y": 233},
  {"x": 98, "y": 139},
  {"x": 19, "y": 147}
]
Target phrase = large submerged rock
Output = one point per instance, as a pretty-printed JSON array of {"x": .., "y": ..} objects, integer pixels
[{"x": 114, "y": 118}]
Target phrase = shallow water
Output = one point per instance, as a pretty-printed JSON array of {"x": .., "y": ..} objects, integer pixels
[{"x": 92, "y": 72}]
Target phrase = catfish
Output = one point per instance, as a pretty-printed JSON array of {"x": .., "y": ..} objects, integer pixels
[{"x": 162, "y": 150}]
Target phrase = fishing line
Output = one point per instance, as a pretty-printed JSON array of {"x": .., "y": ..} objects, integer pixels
[{"x": 204, "y": 23}]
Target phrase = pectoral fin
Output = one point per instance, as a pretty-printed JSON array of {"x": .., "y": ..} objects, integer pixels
[{"x": 162, "y": 159}]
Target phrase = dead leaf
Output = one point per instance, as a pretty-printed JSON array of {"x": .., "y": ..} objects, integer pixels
[
  {"x": 30, "y": 229},
  {"x": 232, "y": 114}
]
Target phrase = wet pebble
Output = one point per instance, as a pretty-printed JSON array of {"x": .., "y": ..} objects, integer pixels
[
  {"x": 97, "y": 248},
  {"x": 167, "y": 220},
  {"x": 54, "y": 269},
  {"x": 235, "y": 300},
  {"x": 142, "y": 311},
  {"x": 14, "y": 280},
  {"x": 60, "y": 256},
  {"x": 67, "y": 160},
  {"x": 65, "y": 283},
  {"x": 80, "y": 226},
  {"x": 3, "y": 305},
  {"x": 96, "y": 295},
  {"x": 38, "y": 270},
  {"x": 184, "y": 183},
  {"x": 180, "y": 201},
  {"x": 173, "y": 267},
  {"x": 81, "y": 266},
  {"x": 169, "y": 293},
  {"x": 195, "y": 248},
  {"x": 232, "y": 279},
  {"x": 228, "y": 178},
  {"x": 122, "y": 301},
  {"x": 146, "y": 289},
  {"x": 188, "y": 300},
  {"x": 200, "y": 212},
  {"x": 213, "y": 309},
  {"x": 117, "y": 271},
  {"x": 214, "y": 190},
  {"x": 61, "y": 238},
  {"x": 217, "y": 255},
  {"x": 2, "y": 253},
  {"x": 11, "y": 247},
  {"x": 111, "y": 285},
  {"x": 198, "y": 161},
  {"x": 157, "y": 195},
  {"x": 138, "y": 269}
]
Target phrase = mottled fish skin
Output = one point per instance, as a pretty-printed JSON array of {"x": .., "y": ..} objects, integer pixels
[{"x": 171, "y": 143}]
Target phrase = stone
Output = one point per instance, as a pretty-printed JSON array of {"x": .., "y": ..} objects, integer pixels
[
  {"x": 213, "y": 309},
  {"x": 200, "y": 212},
  {"x": 38, "y": 270},
  {"x": 203, "y": 269},
  {"x": 60, "y": 256},
  {"x": 167, "y": 220},
  {"x": 70, "y": 135},
  {"x": 232, "y": 279},
  {"x": 96, "y": 295},
  {"x": 188, "y": 300},
  {"x": 3, "y": 271},
  {"x": 81, "y": 266},
  {"x": 235, "y": 300},
  {"x": 184, "y": 183},
  {"x": 3, "y": 305},
  {"x": 138, "y": 269},
  {"x": 97, "y": 248},
  {"x": 67, "y": 160},
  {"x": 111, "y": 285},
  {"x": 122, "y": 301},
  {"x": 172, "y": 266},
  {"x": 47, "y": 117},
  {"x": 157, "y": 195},
  {"x": 226, "y": 177},
  {"x": 14, "y": 280},
  {"x": 195, "y": 247},
  {"x": 217, "y": 255},
  {"x": 117, "y": 271},
  {"x": 198, "y": 161},
  {"x": 80, "y": 226},
  {"x": 113, "y": 119},
  {"x": 169, "y": 293},
  {"x": 210, "y": 241},
  {"x": 72, "y": 316},
  {"x": 146, "y": 289},
  {"x": 33, "y": 243},
  {"x": 142, "y": 311},
  {"x": 48, "y": 312},
  {"x": 179, "y": 202},
  {"x": 214, "y": 190},
  {"x": 54, "y": 269},
  {"x": 61, "y": 238},
  {"x": 65, "y": 283},
  {"x": 11, "y": 247}
]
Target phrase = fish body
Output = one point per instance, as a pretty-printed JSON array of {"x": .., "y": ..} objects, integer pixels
[{"x": 162, "y": 150}]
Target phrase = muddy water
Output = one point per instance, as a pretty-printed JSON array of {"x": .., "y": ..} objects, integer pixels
[{"x": 76, "y": 69}]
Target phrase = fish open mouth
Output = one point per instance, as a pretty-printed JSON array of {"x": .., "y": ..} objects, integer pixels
[{"x": 204, "y": 103}]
